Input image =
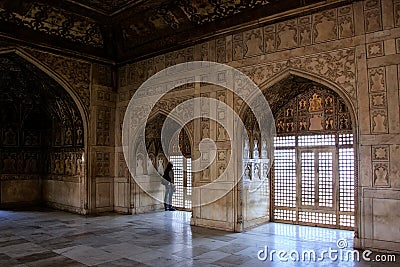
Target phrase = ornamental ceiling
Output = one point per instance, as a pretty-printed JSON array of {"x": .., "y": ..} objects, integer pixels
[{"x": 122, "y": 30}]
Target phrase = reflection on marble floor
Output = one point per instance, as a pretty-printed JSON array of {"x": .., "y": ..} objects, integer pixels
[{"x": 55, "y": 238}]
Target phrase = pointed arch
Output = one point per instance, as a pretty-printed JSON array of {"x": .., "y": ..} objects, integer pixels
[
  {"x": 55, "y": 76},
  {"x": 286, "y": 73},
  {"x": 157, "y": 112},
  {"x": 289, "y": 74},
  {"x": 83, "y": 112}
]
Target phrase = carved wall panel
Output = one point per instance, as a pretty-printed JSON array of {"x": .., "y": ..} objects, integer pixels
[
  {"x": 134, "y": 73},
  {"x": 254, "y": 43},
  {"x": 180, "y": 56},
  {"x": 103, "y": 122},
  {"x": 102, "y": 164},
  {"x": 20, "y": 163},
  {"x": 378, "y": 100},
  {"x": 204, "y": 52},
  {"x": 287, "y": 34},
  {"x": 104, "y": 94},
  {"x": 159, "y": 63},
  {"x": 325, "y": 26},
  {"x": 345, "y": 21},
  {"x": 65, "y": 165},
  {"x": 269, "y": 39},
  {"x": 316, "y": 110},
  {"x": 305, "y": 32},
  {"x": 221, "y": 50},
  {"x": 238, "y": 46},
  {"x": 375, "y": 49},
  {"x": 396, "y": 10},
  {"x": 102, "y": 75},
  {"x": 372, "y": 15},
  {"x": 381, "y": 174}
]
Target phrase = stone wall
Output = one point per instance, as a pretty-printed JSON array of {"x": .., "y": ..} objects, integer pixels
[
  {"x": 101, "y": 140},
  {"x": 78, "y": 173},
  {"x": 63, "y": 186},
  {"x": 42, "y": 139},
  {"x": 352, "y": 49}
]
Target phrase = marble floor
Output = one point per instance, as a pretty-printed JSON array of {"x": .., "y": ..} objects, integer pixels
[{"x": 54, "y": 238}]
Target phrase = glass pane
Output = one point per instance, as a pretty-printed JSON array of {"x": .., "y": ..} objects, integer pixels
[
  {"x": 325, "y": 179},
  {"x": 307, "y": 179}
]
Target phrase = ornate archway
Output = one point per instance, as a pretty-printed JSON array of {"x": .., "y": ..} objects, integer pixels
[
  {"x": 43, "y": 145},
  {"x": 179, "y": 153},
  {"x": 308, "y": 110},
  {"x": 314, "y": 178}
]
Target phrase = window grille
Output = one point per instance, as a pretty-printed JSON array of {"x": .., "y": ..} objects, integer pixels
[
  {"x": 183, "y": 182},
  {"x": 314, "y": 176}
]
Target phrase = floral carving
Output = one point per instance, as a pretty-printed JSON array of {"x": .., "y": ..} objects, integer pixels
[
  {"x": 337, "y": 66},
  {"x": 380, "y": 153},
  {"x": 325, "y": 26},
  {"x": 381, "y": 174},
  {"x": 77, "y": 73},
  {"x": 56, "y": 22},
  {"x": 202, "y": 12},
  {"x": 108, "y": 6}
]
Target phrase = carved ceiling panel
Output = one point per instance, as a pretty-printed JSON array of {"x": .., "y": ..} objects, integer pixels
[
  {"x": 170, "y": 16},
  {"x": 130, "y": 29},
  {"x": 106, "y": 6},
  {"x": 202, "y": 12},
  {"x": 52, "y": 21}
]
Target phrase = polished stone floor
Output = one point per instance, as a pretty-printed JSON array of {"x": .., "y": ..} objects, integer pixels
[{"x": 55, "y": 238}]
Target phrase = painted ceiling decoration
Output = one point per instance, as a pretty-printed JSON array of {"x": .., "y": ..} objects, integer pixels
[
  {"x": 53, "y": 21},
  {"x": 122, "y": 30},
  {"x": 202, "y": 12},
  {"x": 105, "y": 6},
  {"x": 170, "y": 16}
]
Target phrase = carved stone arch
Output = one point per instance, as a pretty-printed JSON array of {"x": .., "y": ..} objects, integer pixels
[
  {"x": 319, "y": 80},
  {"x": 83, "y": 112},
  {"x": 278, "y": 95},
  {"x": 63, "y": 83},
  {"x": 157, "y": 112},
  {"x": 55, "y": 76}
]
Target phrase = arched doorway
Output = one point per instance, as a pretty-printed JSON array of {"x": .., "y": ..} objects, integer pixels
[
  {"x": 313, "y": 181},
  {"x": 179, "y": 153},
  {"x": 150, "y": 162},
  {"x": 42, "y": 140}
]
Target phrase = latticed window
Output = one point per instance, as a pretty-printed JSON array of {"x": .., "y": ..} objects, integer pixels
[
  {"x": 182, "y": 198},
  {"x": 314, "y": 173}
]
